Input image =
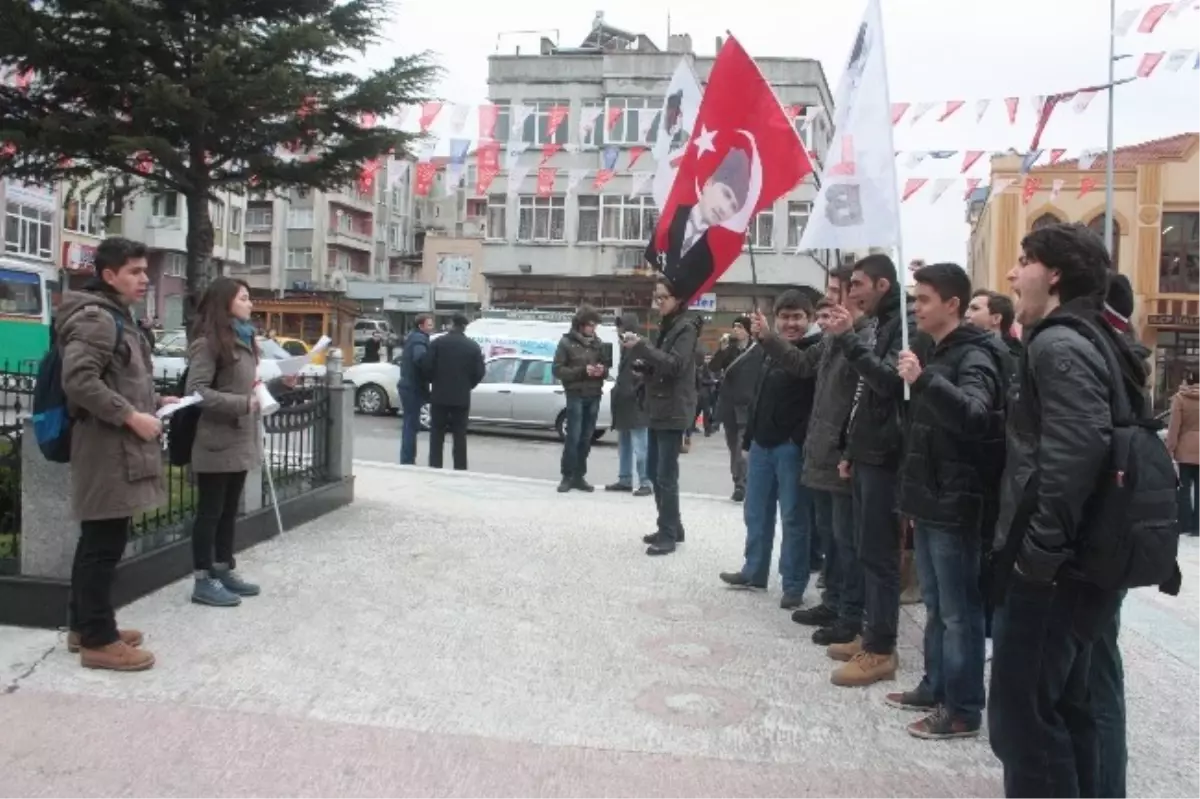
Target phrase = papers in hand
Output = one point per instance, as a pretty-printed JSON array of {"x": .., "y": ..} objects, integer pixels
[
  {"x": 167, "y": 410},
  {"x": 290, "y": 367}
]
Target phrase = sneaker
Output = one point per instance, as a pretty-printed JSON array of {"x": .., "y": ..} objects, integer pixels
[
  {"x": 791, "y": 601},
  {"x": 940, "y": 725},
  {"x": 234, "y": 583},
  {"x": 565, "y": 486},
  {"x": 618, "y": 487},
  {"x": 643, "y": 491},
  {"x": 834, "y": 634},
  {"x": 820, "y": 616},
  {"x": 131, "y": 637},
  {"x": 579, "y": 484},
  {"x": 845, "y": 651},
  {"x": 662, "y": 545},
  {"x": 210, "y": 591},
  {"x": 117, "y": 656},
  {"x": 910, "y": 700},
  {"x": 865, "y": 668},
  {"x": 739, "y": 495},
  {"x": 650, "y": 538},
  {"x": 739, "y": 580}
]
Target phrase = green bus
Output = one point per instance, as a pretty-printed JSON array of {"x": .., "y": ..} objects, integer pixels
[{"x": 24, "y": 314}]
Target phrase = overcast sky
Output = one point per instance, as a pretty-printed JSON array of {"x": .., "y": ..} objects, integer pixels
[{"x": 937, "y": 50}]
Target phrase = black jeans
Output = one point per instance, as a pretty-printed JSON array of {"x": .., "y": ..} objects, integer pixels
[
  {"x": 217, "y": 497},
  {"x": 101, "y": 545},
  {"x": 577, "y": 441},
  {"x": 451, "y": 418},
  {"x": 877, "y": 540},
  {"x": 1041, "y": 716},
  {"x": 1189, "y": 497},
  {"x": 1108, "y": 705},
  {"x": 662, "y": 466}
]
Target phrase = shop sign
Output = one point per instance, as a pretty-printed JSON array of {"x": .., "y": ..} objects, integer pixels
[{"x": 1173, "y": 320}]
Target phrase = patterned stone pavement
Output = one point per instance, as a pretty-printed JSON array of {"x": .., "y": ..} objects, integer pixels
[{"x": 467, "y": 635}]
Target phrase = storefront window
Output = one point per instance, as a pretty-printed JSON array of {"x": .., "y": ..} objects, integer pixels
[
  {"x": 1177, "y": 353},
  {"x": 1179, "y": 264}
]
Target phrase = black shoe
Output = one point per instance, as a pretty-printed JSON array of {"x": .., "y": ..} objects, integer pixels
[
  {"x": 739, "y": 580},
  {"x": 837, "y": 634},
  {"x": 650, "y": 538},
  {"x": 565, "y": 486},
  {"x": 816, "y": 564},
  {"x": 661, "y": 545},
  {"x": 791, "y": 601},
  {"x": 582, "y": 485},
  {"x": 820, "y": 616},
  {"x": 739, "y": 495},
  {"x": 643, "y": 491},
  {"x": 618, "y": 487}
]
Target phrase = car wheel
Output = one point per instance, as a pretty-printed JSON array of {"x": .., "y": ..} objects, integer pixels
[
  {"x": 560, "y": 426},
  {"x": 426, "y": 418},
  {"x": 371, "y": 399}
]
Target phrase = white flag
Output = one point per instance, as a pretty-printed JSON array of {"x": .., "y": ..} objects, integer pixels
[
  {"x": 516, "y": 176},
  {"x": 646, "y": 117},
  {"x": 858, "y": 205},
  {"x": 520, "y": 113},
  {"x": 1087, "y": 158},
  {"x": 512, "y": 155},
  {"x": 1039, "y": 104},
  {"x": 1055, "y": 188},
  {"x": 641, "y": 182},
  {"x": 940, "y": 187},
  {"x": 575, "y": 177},
  {"x": 915, "y": 158},
  {"x": 998, "y": 187},
  {"x": 1082, "y": 101},
  {"x": 458, "y": 118},
  {"x": 427, "y": 149},
  {"x": 453, "y": 177},
  {"x": 981, "y": 107},
  {"x": 1177, "y": 59},
  {"x": 920, "y": 110},
  {"x": 680, "y": 106},
  {"x": 1125, "y": 20},
  {"x": 587, "y": 122},
  {"x": 396, "y": 171},
  {"x": 1179, "y": 7}
]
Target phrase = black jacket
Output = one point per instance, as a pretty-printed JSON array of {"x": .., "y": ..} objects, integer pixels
[
  {"x": 454, "y": 365},
  {"x": 954, "y": 443},
  {"x": 575, "y": 353},
  {"x": 412, "y": 358},
  {"x": 740, "y": 369},
  {"x": 669, "y": 371},
  {"x": 876, "y": 433},
  {"x": 371, "y": 350},
  {"x": 687, "y": 272},
  {"x": 783, "y": 403}
]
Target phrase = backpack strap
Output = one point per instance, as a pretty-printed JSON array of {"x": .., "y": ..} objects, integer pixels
[{"x": 1122, "y": 408}]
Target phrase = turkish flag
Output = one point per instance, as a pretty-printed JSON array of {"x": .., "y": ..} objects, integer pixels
[{"x": 744, "y": 154}]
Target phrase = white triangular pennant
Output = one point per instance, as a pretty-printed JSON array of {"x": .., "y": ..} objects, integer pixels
[
  {"x": 1179, "y": 7},
  {"x": 425, "y": 155},
  {"x": 453, "y": 176},
  {"x": 981, "y": 107},
  {"x": 575, "y": 177},
  {"x": 1125, "y": 21},
  {"x": 915, "y": 158},
  {"x": 1039, "y": 105},
  {"x": 516, "y": 176},
  {"x": 998, "y": 187},
  {"x": 587, "y": 122},
  {"x": 1055, "y": 188},
  {"x": 641, "y": 182},
  {"x": 1082, "y": 101},
  {"x": 1177, "y": 59},
  {"x": 940, "y": 186},
  {"x": 920, "y": 110},
  {"x": 458, "y": 118},
  {"x": 646, "y": 119},
  {"x": 520, "y": 113},
  {"x": 1087, "y": 158},
  {"x": 512, "y": 155}
]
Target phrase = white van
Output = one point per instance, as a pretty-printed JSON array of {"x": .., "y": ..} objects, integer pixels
[{"x": 514, "y": 335}]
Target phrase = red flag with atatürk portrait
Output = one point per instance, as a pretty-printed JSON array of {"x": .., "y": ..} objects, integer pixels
[{"x": 744, "y": 154}]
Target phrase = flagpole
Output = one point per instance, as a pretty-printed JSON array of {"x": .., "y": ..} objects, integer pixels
[{"x": 1108, "y": 159}]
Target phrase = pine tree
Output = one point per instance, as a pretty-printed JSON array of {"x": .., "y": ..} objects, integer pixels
[{"x": 199, "y": 97}]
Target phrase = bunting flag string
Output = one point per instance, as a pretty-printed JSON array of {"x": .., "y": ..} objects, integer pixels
[
  {"x": 1148, "y": 18},
  {"x": 546, "y": 176}
]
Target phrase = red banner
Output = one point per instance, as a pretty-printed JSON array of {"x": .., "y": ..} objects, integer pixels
[
  {"x": 429, "y": 112},
  {"x": 558, "y": 114},
  {"x": 634, "y": 154},
  {"x": 486, "y": 174},
  {"x": 545, "y": 180},
  {"x": 912, "y": 186},
  {"x": 1029, "y": 189},
  {"x": 614, "y": 113},
  {"x": 602, "y": 177},
  {"x": 1086, "y": 185},
  {"x": 549, "y": 151},
  {"x": 426, "y": 171},
  {"x": 488, "y": 114}
]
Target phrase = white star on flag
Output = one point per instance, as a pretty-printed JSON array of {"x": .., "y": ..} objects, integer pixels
[{"x": 704, "y": 142}]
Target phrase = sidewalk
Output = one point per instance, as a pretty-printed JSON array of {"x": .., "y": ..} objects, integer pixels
[{"x": 454, "y": 634}]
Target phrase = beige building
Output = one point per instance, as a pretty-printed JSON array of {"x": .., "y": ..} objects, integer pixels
[{"x": 1156, "y": 196}]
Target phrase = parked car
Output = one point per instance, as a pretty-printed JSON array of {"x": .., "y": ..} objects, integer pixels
[
  {"x": 518, "y": 391},
  {"x": 170, "y": 358},
  {"x": 364, "y": 329}
]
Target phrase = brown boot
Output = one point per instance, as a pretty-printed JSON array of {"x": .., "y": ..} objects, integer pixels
[
  {"x": 117, "y": 656},
  {"x": 865, "y": 668},
  {"x": 844, "y": 652},
  {"x": 132, "y": 637}
]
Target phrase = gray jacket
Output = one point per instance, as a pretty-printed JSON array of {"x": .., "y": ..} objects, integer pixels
[
  {"x": 741, "y": 369},
  {"x": 670, "y": 372},
  {"x": 227, "y": 435}
]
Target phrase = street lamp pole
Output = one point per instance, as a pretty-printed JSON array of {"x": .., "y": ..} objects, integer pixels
[{"x": 1108, "y": 158}]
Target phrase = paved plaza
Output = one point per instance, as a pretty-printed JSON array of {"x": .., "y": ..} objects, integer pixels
[{"x": 457, "y": 634}]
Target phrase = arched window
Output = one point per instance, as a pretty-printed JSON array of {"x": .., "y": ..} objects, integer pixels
[
  {"x": 1097, "y": 225},
  {"x": 1045, "y": 220}
]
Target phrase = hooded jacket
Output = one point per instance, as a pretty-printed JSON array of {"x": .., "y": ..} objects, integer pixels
[
  {"x": 628, "y": 396},
  {"x": 783, "y": 403},
  {"x": 575, "y": 353},
  {"x": 669, "y": 371},
  {"x": 1183, "y": 434}
]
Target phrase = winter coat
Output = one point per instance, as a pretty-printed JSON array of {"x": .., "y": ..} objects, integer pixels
[
  {"x": 741, "y": 368},
  {"x": 1183, "y": 434},
  {"x": 416, "y": 345},
  {"x": 454, "y": 366},
  {"x": 114, "y": 473},
  {"x": 782, "y": 402},
  {"x": 575, "y": 353},
  {"x": 628, "y": 396},
  {"x": 954, "y": 443},
  {"x": 670, "y": 372},
  {"x": 228, "y": 438}
]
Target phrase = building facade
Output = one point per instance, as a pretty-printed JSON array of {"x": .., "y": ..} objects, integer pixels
[
  {"x": 1156, "y": 236},
  {"x": 587, "y": 245}
]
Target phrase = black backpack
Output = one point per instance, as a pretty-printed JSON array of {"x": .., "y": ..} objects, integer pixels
[
  {"x": 52, "y": 421},
  {"x": 1132, "y": 518}
]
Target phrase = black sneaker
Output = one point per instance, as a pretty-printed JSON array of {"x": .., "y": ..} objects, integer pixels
[
  {"x": 791, "y": 601},
  {"x": 834, "y": 634},
  {"x": 643, "y": 491},
  {"x": 650, "y": 538},
  {"x": 940, "y": 725},
  {"x": 910, "y": 700},
  {"x": 820, "y": 616},
  {"x": 816, "y": 564},
  {"x": 565, "y": 486},
  {"x": 739, "y": 580},
  {"x": 739, "y": 495},
  {"x": 618, "y": 487},
  {"x": 582, "y": 485},
  {"x": 661, "y": 545}
]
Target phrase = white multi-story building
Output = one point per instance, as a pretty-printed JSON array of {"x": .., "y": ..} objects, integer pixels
[{"x": 562, "y": 250}]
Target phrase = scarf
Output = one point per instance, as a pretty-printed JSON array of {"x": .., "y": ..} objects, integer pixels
[{"x": 244, "y": 332}]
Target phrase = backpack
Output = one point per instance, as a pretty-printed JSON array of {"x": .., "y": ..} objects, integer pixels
[
  {"x": 1132, "y": 518},
  {"x": 181, "y": 430},
  {"x": 52, "y": 421}
]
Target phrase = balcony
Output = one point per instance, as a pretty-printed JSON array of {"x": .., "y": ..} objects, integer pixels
[
  {"x": 349, "y": 236},
  {"x": 352, "y": 198}
]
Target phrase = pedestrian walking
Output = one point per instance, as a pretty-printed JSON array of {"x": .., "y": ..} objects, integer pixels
[
  {"x": 414, "y": 386},
  {"x": 453, "y": 366},
  {"x": 1183, "y": 442},
  {"x": 739, "y": 363},
  {"x": 630, "y": 420},
  {"x": 670, "y": 374},
  {"x": 372, "y": 348},
  {"x": 222, "y": 369},
  {"x": 581, "y": 365}
]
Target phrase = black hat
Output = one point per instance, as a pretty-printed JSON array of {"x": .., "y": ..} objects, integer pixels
[
  {"x": 1120, "y": 296},
  {"x": 743, "y": 322}
]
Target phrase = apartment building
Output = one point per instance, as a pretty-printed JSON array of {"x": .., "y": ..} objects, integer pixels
[
  {"x": 561, "y": 250},
  {"x": 31, "y": 224}
]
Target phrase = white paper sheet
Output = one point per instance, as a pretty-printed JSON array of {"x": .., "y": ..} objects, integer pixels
[{"x": 167, "y": 410}]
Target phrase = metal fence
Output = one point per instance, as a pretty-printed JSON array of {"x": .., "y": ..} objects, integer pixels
[{"x": 16, "y": 392}]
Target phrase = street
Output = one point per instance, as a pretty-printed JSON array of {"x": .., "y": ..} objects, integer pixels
[{"x": 704, "y": 470}]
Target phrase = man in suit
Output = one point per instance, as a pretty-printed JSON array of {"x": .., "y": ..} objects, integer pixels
[
  {"x": 454, "y": 366},
  {"x": 687, "y": 260}
]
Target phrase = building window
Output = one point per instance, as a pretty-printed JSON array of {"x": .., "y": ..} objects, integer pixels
[
  {"x": 629, "y": 125},
  {"x": 541, "y": 218},
  {"x": 477, "y": 207},
  {"x": 503, "y": 120},
  {"x": 760, "y": 233},
  {"x": 1097, "y": 225},
  {"x": 174, "y": 264},
  {"x": 84, "y": 217},
  {"x": 589, "y": 218},
  {"x": 595, "y": 110},
  {"x": 300, "y": 218},
  {"x": 258, "y": 255},
  {"x": 235, "y": 221},
  {"x": 798, "y": 213},
  {"x": 300, "y": 258},
  {"x": 28, "y": 230},
  {"x": 1179, "y": 264},
  {"x": 165, "y": 205},
  {"x": 627, "y": 218},
  {"x": 259, "y": 218},
  {"x": 497, "y": 217},
  {"x": 1046, "y": 220},
  {"x": 394, "y": 238},
  {"x": 537, "y": 125}
]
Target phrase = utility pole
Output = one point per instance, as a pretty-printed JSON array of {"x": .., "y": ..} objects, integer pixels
[{"x": 1108, "y": 158}]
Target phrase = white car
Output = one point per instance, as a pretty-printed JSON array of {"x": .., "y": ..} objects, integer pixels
[
  {"x": 517, "y": 391},
  {"x": 170, "y": 358}
]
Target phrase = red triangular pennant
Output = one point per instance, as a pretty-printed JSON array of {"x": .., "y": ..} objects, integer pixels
[
  {"x": 549, "y": 150},
  {"x": 912, "y": 186},
  {"x": 545, "y": 180},
  {"x": 614, "y": 113},
  {"x": 1086, "y": 185},
  {"x": 1153, "y": 16},
  {"x": 898, "y": 111},
  {"x": 969, "y": 159},
  {"x": 602, "y": 178},
  {"x": 426, "y": 171},
  {"x": 485, "y": 177},
  {"x": 1149, "y": 63},
  {"x": 1056, "y": 156},
  {"x": 556, "y": 117},
  {"x": 429, "y": 112},
  {"x": 972, "y": 184},
  {"x": 1011, "y": 103},
  {"x": 951, "y": 107},
  {"x": 635, "y": 153},
  {"x": 1029, "y": 189}
]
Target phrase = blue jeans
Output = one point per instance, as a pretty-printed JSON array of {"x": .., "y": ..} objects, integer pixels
[
  {"x": 631, "y": 454},
  {"x": 410, "y": 406},
  {"x": 581, "y": 426},
  {"x": 834, "y": 515},
  {"x": 1108, "y": 706},
  {"x": 662, "y": 465},
  {"x": 773, "y": 477},
  {"x": 948, "y": 566}
]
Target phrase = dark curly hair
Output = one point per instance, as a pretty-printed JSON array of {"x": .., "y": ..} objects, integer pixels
[{"x": 1079, "y": 256}]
